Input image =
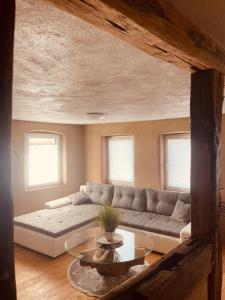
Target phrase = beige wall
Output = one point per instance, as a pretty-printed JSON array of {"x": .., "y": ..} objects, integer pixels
[
  {"x": 146, "y": 147},
  {"x": 147, "y": 150},
  {"x": 147, "y": 156},
  {"x": 25, "y": 201}
]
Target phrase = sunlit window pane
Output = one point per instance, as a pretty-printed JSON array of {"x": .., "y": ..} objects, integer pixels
[{"x": 43, "y": 159}]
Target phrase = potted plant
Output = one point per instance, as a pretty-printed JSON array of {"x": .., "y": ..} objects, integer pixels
[{"x": 109, "y": 219}]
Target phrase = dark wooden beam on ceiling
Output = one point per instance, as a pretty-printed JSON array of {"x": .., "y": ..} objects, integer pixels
[
  {"x": 7, "y": 273},
  {"x": 206, "y": 117},
  {"x": 153, "y": 26}
]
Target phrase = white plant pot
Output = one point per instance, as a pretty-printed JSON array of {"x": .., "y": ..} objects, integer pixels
[{"x": 109, "y": 235}]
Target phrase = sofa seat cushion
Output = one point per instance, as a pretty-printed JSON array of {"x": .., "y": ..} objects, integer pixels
[
  {"x": 165, "y": 225},
  {"x": 129, "y": 197},
  {"x": 56, "y": 222},
  {"x": 151, "y": 222},
  {"x": 134, "y": 218},
  {"x": 100, "y": 193},
  {"x": 163, "y": 202}
]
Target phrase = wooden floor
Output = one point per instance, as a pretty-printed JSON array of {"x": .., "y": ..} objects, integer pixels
[{"x": 40, "y": 277}]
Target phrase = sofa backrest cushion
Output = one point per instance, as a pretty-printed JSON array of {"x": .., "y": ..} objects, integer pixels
[
  {"x": 181, "y": 212},
  {"x": 163, "y": 202},
  {"x": 185, "y": 197},
  {"x": 80, "y": 198},
  {"x": 100, "y": 193},
  {"x": 129, "y": 198}
]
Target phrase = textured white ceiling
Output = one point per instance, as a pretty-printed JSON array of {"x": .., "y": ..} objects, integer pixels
[{"x": 65, "y": 68}]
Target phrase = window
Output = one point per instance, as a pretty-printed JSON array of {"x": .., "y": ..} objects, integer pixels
[
  {"x": 121, "y": 159},
  {"x": 43, "y": 159},
  {"x": 177, "y": 161}
]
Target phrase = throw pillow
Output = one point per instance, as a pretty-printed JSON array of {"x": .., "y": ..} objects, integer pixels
[
  {"x": 181, "y": 212},
  {"x": 80, "y": 198}
]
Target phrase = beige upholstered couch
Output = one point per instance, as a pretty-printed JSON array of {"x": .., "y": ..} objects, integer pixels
[{"x": 164, "y": 214}]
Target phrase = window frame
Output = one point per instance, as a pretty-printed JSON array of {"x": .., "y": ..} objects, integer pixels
[
  {"x": 119, "y": 137},
  {"x": 164, "y": 159},
  {"x": 58, "y": 138}
]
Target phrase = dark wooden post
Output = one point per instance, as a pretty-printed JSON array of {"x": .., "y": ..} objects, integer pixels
[
  {"x": 7, "y": 274},
  {"x": 206, "y": 116}
]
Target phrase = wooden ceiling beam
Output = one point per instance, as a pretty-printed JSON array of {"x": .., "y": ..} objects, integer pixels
[{"x": 153, "y": 26}]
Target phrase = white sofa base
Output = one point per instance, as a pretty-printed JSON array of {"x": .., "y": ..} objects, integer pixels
[
  {"x": 56, "y": 246},
  {"x": 43, "y": 243}
]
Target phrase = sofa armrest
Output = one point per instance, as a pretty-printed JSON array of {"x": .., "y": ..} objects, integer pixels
[
  {"x": 58, "y": 203},
  {"x": 185, "y": 233}
]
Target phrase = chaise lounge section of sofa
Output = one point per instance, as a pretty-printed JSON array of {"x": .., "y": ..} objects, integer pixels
[{"x": 163, "y": 214}]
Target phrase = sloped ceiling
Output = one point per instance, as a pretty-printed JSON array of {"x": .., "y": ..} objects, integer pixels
[{"x": 65, "y": 68}]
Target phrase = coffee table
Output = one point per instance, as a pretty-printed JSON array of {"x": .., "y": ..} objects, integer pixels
[{"x": 106, "y": 260}]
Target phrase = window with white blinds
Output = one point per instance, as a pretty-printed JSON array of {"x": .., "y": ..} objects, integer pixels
[
  {"x": 177, "y": 161},
  {"x": 121, "y": 159},
  {"x": 43, "y": 159}
]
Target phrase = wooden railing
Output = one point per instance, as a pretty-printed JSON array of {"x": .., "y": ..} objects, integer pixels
[{"x": 175, "y": 275}]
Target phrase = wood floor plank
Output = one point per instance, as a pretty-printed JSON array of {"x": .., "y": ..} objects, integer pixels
[
  {"x": 40, "y": 277},
  {"x": 44, "y": 278}
]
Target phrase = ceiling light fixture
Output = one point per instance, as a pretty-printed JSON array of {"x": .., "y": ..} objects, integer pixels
[{"x": 95, "y": 116}]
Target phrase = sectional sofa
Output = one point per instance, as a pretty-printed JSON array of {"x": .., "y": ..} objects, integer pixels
[{"x": 163, "y": 214}]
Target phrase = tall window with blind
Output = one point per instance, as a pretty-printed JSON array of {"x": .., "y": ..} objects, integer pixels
[
  {"x": 43, "y": 159},
  {"x": 177, "y": 161},
  {"x": 121, "y": 159}
]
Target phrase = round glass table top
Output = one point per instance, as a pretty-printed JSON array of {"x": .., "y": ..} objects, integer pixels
[{"x": 127, "y": 246}]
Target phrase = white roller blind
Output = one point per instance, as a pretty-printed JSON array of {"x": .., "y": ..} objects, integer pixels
[
  {"x": 178, "y": 162},
  {"x": 121, "y": 159}
]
